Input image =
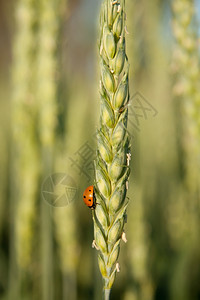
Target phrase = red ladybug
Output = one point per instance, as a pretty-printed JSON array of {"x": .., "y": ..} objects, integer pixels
[{"x": 89, "y": 197}]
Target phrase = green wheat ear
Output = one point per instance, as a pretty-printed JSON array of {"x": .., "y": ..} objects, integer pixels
[
  {"x": 187, "y": 86},
  {"x": 113, "y": 151}
]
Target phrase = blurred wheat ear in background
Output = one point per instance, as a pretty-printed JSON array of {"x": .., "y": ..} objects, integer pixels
[
  {"x": 187, "y": 87},
  {"x": 113, "y": 153},
  {"x": 46, "y": 91},
  {"x": 25, "y": 147},
  {"x": 34, "y": 123},
  {"x": 186, "y": 61}
]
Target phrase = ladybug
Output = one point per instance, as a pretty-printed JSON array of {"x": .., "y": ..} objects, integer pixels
[{"x": 89, "y": 197}]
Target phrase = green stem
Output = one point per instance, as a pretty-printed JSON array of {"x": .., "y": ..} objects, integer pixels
[
  {"x": 46, "y": 233},
  {"x": 107, "y": 294}
]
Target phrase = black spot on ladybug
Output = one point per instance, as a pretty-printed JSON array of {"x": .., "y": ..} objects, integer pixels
[
  {"x": 84, "y": 196},
  {"x": 89, "y": 190},
  {"x": 89, "y": 200}
]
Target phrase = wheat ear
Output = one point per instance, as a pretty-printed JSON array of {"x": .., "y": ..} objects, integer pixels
[
  {"x": 187, "y": 86},
  {"x": 113, "y": 151},
  {"x": 25, "y": 153}
]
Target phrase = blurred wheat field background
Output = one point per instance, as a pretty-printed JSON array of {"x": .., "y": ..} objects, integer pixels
[{"x": 49, "y": 112}]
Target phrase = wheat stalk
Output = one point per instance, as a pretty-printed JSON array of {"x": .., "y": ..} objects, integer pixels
[{"x": 113, "y": 152}]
